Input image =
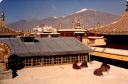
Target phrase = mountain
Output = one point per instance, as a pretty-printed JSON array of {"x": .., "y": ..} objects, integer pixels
[
  {"x": 90, "y": 18},
  {"x": 24, "y": 24}
]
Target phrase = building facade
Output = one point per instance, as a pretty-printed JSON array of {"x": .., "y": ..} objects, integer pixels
[
  {"x": 78, "y": 31},
  {"x": 45, "y": 31},
  {"x": 30, "y": 51}
]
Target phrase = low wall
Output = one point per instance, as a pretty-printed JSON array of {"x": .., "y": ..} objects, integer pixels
[{"x": 6, "y": 74}]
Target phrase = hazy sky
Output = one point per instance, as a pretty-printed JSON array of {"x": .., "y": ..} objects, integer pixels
[{"x": 24, "y": 9}]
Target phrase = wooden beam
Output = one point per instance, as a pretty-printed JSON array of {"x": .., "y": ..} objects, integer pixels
[{"x": 110, "y": 56}]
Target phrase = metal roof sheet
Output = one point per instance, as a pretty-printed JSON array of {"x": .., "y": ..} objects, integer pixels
[{"x": 46, "y": 46}]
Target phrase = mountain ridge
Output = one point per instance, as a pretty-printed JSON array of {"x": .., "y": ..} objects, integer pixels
[{"x": 89, "y": 17}]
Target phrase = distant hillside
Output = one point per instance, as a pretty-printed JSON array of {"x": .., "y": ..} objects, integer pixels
[
  {"x": 90, "y": 18},
  {"x": 24, "y": 24}
]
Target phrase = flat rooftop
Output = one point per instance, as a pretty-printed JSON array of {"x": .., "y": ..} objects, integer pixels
[{"x": 65, "y": 74}]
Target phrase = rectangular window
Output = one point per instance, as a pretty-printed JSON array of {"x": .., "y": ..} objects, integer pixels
[{"x": 47, "y": 60}]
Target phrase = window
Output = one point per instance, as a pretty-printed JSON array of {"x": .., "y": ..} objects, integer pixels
[
  {"x": 57, "y": 60},
  {"x": 36, "y": 61},
  {"x": 66, "y": 59},
  {"x": 47, "y": 60},
  {"x": 28, "y": 39},
  {"x": 28, "y": 62}
]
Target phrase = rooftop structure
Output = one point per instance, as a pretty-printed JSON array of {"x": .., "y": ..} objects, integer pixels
[
  {"x": 116, "y": 33},
  {"x": 78, "y": 30},
  {"x": 116, "y": 54},
  {"x": 4, "y": 31},
  {"x": 30, "y": 51},
  {"x": 45, "y": 31},
  {"x": 119, "y": 27}
]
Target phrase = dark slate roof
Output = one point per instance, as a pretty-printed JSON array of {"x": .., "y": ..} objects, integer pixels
[{"x": 46, "y": 46}]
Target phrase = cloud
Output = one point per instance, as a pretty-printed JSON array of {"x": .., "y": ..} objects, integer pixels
[{"x": 1, "y": 1}]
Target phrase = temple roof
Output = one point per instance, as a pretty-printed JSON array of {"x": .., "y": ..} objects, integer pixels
[
  {"x": 72, "y": 30},
  {"x": 6, "y": 31},
  {"x": 30, "y": 46},
  {"x": 119, "y": 27}
]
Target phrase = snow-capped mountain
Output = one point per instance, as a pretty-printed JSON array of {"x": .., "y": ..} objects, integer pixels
[
  {"x": 88, "y": 17},
  {"x": 82, "y": 10}
]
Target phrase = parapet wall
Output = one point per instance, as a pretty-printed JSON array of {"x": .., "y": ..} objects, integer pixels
[{"x": 6, "y": 74}]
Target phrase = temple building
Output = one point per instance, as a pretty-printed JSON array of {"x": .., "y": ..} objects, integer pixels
[
  {"x": 24, "y": 50},
  {"x": 97, "y": 41},
  {"x": 115, "y": 35},
  {"x": 31, "y": 52},
  {"x": 78, "y": 30},
  {"x": 45, "y": 31},
  {"x": 4, "y": 31}
]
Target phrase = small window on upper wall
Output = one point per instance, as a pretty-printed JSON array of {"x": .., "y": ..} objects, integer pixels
[{"x": 28, "y": 39}]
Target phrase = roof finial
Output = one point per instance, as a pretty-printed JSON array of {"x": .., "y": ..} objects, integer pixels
[
  {"x": 2, "y": 15},
  {"x": 60, "y": 25},
  {"x": 127, "y": 6},
  {"x": 78, "y": 23},
  {"x": 2, "y": 19}
]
